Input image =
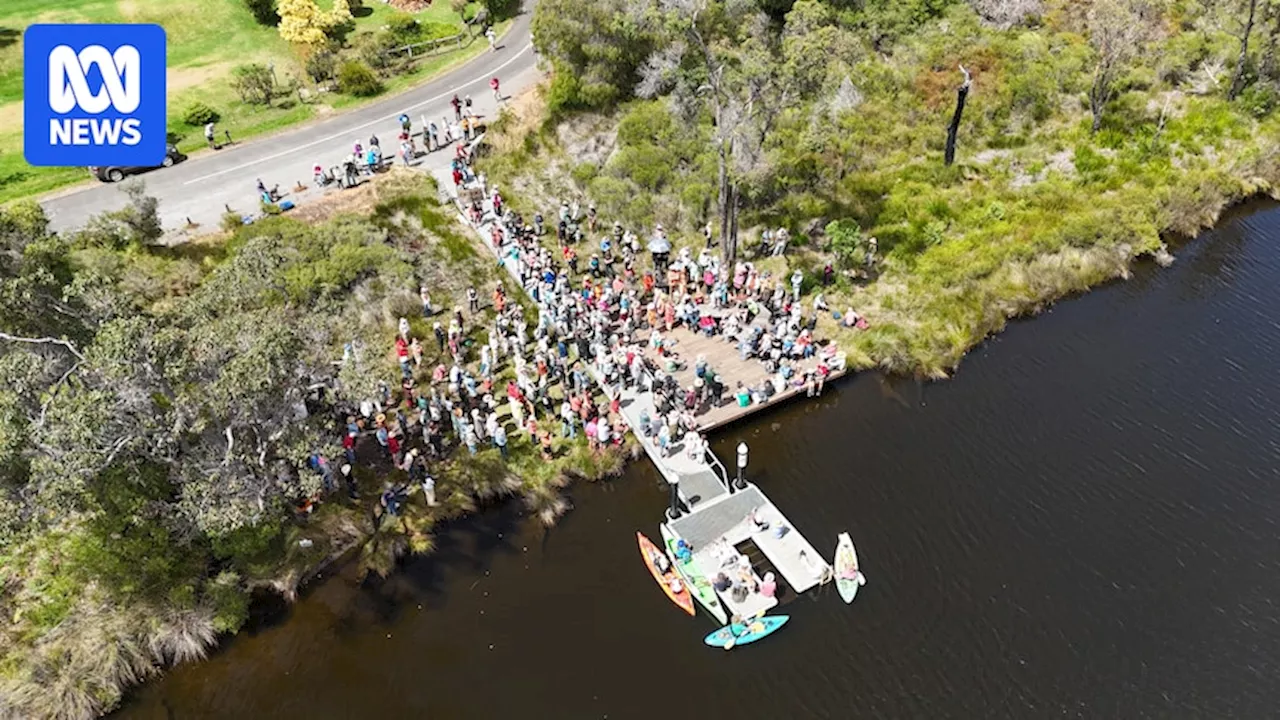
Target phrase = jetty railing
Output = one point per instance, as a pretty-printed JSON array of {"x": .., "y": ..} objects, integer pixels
[{"x": 717, "y": 466}]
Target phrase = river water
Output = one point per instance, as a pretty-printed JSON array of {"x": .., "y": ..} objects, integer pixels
[{"x": 1083, "y": 523}]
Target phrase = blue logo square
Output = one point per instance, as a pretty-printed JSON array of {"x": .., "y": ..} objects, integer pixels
[{"x": 94, "y": 95}]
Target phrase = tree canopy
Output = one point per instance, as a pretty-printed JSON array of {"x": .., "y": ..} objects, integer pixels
[{"x": 157, "y": 410}]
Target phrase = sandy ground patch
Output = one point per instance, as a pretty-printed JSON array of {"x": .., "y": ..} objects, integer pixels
[
  {"x": 11, "y": 117},
  {"x": 181, "y": 78}
]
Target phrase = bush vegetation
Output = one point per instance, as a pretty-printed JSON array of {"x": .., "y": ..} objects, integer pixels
[
  {"x": 153, "y": 456},
  {"x": 355, "y": 78},
  {"x": 198, "y": 114},
  {"x": 254, "y": 83},
  {"x": 264, "y": 12},
  {"x": 833, "y": 119}
]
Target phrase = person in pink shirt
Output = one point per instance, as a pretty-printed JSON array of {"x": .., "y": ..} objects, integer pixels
[{"x": 769, "y": 587}]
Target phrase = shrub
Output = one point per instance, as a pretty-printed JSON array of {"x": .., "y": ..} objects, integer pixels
[
  {"x": 355, "y": 78},
  {"x": 1089, "y": 163},
  {"x": 264, "y": 11},
  {"x": 583, "y": 173},
  {"x": 403, "y": 27},
  {"x": 199, "y": 114},
  {"x": 565, "y": 94},
  {"x": 499, "y": 9},
  {"x": 847, "y": 242},
  {"x": 254, "y": 83},
  {"x": 231, "y": 221},
  {"x": 321, "y": 65},
  {"x": 1259, "y": 100},
  {"x": 374, "y": 49}
]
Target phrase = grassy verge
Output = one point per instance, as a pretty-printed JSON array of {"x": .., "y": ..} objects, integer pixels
[{"x": 206, "y": 40}]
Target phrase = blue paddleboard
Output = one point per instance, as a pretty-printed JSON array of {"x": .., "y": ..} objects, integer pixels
[{"x": 742, "y": 634}]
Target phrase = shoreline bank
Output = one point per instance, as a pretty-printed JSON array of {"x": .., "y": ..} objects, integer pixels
[{"x": 344, "y": 560}]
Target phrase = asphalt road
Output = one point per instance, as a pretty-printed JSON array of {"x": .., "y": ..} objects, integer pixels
[{"x": 201, "y": 187}]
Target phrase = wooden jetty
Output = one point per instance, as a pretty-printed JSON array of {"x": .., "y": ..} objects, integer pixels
[
  {"x": 717, "y": 511},
  {"x": 723, "y": 358}
]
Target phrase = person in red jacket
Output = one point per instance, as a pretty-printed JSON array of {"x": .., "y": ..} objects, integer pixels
[{"x": 497, "y": 96}]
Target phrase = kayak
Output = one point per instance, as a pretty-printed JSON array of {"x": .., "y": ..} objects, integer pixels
[
  {"x": 736, "y": 634},
  {"x": 682, "y": 599},
  {"x": 695, "y": 580},
  {"x": 848, "y": 577}
]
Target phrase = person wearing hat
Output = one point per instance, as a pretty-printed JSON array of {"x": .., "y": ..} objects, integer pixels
[{"x": 350, "y": 481}]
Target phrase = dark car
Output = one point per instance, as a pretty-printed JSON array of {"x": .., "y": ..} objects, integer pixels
[{"x": 116, "y": 174}]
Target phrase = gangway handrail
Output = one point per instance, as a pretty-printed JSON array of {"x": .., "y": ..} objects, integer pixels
[{"x": 717, "y": 466}]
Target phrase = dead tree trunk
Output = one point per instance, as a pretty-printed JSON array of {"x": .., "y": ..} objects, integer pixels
[
  {"x": 732, "y": 238},
  {"x": 1237, "y": 79},
  {"x": 961, "y": 95},
  {"x": 724, "y": 199}
]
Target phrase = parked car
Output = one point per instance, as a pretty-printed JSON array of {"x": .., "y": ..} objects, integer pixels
[{"x": 116, "y": 174}]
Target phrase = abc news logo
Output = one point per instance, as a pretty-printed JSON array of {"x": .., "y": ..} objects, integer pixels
[
  {"x": 94, "y": 95},
  {"x": 69, "y": 89}
]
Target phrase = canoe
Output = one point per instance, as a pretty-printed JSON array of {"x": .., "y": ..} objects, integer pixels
[
  {"x": 731, "y": 636},
  {"x": 694, "y": 579},
  {"x": 848, "y": 577},
  {"x": 682, "y": 599}
]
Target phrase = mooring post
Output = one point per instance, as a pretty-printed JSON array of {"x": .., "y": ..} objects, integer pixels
[
  {"x": 675, "y": 497},
  {"x": 741, "y": 481}
]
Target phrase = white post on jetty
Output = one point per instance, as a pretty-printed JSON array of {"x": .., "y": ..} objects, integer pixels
[
  {"x": 741, "y": 482},
  {"x": 675, "y": 496}
]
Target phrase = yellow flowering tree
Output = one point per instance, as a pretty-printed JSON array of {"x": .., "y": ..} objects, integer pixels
[{"x": 304, "y": 23}]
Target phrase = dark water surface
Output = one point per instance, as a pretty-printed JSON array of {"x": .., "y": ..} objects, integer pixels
[{"x": 1082, "y": 524}]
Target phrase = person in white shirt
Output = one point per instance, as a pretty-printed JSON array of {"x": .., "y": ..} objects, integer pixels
[
  {"x": 567, "y": 420},
  {"x": 429, "y": 489}
]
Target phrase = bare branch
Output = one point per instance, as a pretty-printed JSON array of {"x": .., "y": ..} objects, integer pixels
[
  {"x": 658, "y": 72},
  {"x": 44, "y": 340}
]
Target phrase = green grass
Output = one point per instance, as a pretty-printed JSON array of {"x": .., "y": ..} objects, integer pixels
[{"x": 207, "y": 38}]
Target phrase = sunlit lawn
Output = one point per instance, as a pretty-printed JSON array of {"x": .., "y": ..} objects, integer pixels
[{"x": 206, "y": 38}]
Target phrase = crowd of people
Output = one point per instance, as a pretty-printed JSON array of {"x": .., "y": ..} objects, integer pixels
[
  {"x": 368, "y": 158},
  {"x": 623, "y": 317},
  {"x": 606, "y": 320}
]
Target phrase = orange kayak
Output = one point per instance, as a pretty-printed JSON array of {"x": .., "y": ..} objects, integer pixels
[{"x": 648, "y": 551}]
